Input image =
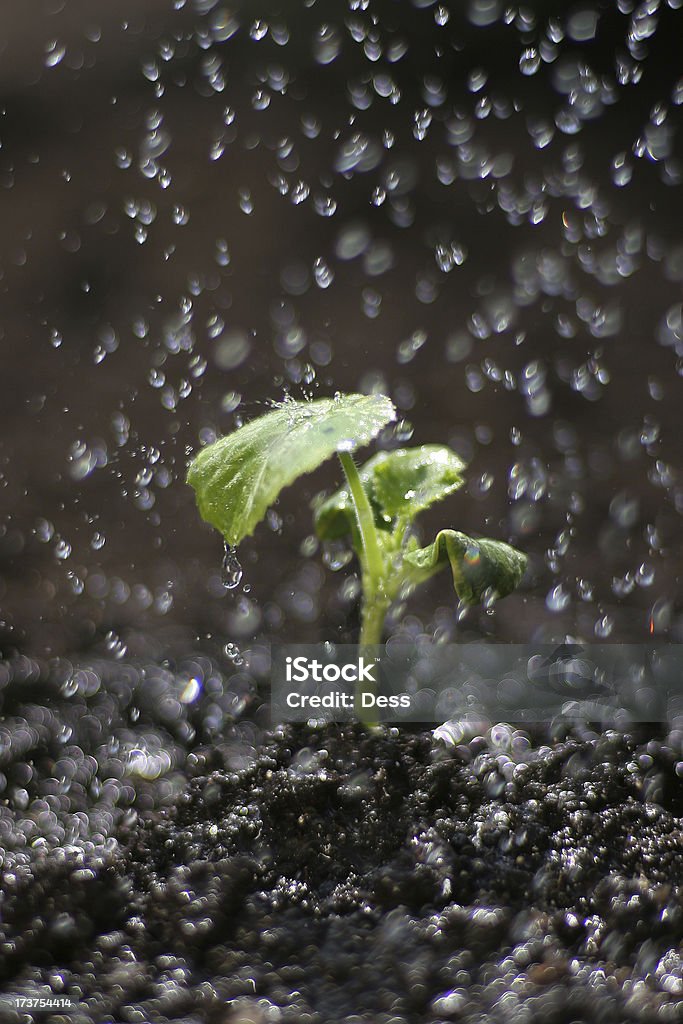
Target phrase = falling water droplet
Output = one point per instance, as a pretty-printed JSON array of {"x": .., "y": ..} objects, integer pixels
[
  {"x": 336, "y": 555},
  {"x": 231, "y": 573},
  {"x": 323, "y": 274},
  {"x": 54, "y": 53},
  {"x": 645, "y": 575},
  {"x": 403, "y": 430},
  {"x": 558, "y": 598},
  {"x": 603, "y": 626},
  {"x": 530, "y": 61}
]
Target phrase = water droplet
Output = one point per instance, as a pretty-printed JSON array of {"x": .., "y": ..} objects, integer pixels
[
  {"x": 326, "y": 44},
  {"x": 582, "y": 25},
  {"x": 179, "y": 215},
  {"x": 54, "y": 53},
  {"x": 449, "y": 255},
  {"x": 408, "y": 349},
  {"x": 246, "y": 202},
  {"x": 422, "y": 120},
  {"x": 232, "y": 348},
  {"x": 300, "y": 193},
  {"x": 231, "y": 570},
  {"x": 603, "y": 626},
  {"x": 258, "y": 30},
  {"x": 645, "y": 575},
  {"x": 261, "y": 99},
  {"x": 402, "y": 431},
  {"x": 622, "y": 586},
  {"x": 274, "y": 520},
  {"x": 649, "y": 432},
  {"x": 661, "y": 615},
  {"x": 483, "y": 13},
  {"x": 308, "y": 546},
  {"x": 336, "y": 555},
  {"x": 322, "y": 273},
  {"x": 70, "y": 685},
  {"x": 62, "y": 549},
  {"x": 352, "y": 241},
  {"x": 624, "y": 509},
  {"x": 358, "y": 154},
  {"x": 558, "y": 598},
  {"x": 224, "y": 24},
  {"x": 530, "y": 61},
  {"x": 325, "y": 206},
  {"x": 230, "y": 401}
]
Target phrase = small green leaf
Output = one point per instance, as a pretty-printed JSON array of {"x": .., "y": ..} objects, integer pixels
[
  {"x": 477, "y": 565},
  {"x": 399, "y": 485},
  {"x": 406, "y": 481},
  {"x": 237, "y": 478}
]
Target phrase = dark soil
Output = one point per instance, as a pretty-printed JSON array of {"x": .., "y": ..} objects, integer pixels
[{"x": 328, "y": 874}]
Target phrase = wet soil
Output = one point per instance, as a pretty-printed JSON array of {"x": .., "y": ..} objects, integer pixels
[{"x": 328, "y": 874}]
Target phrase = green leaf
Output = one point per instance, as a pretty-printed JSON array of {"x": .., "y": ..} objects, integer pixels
[
  {"x": 408, "y": 480},
  {"x": 477, "y": 565},
  {"x": 399, "y": 485},
  {"x": 237, "y": 478}
]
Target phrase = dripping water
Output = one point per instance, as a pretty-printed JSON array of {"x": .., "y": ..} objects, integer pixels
[{"x": 231, "y": 573}]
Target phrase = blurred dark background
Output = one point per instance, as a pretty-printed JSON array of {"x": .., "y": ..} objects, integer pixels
[{"x": 476, "y": 209}]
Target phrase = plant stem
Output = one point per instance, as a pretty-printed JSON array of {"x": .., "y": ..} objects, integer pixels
[
  {"x": 377, "y": 591},
  {"x": 373, "y": 613},
  {"x": 374, "y": 600},
  {"x": 373, "y": 564}
]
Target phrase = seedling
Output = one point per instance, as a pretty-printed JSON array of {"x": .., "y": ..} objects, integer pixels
[{"x": 238, "y": 478}]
